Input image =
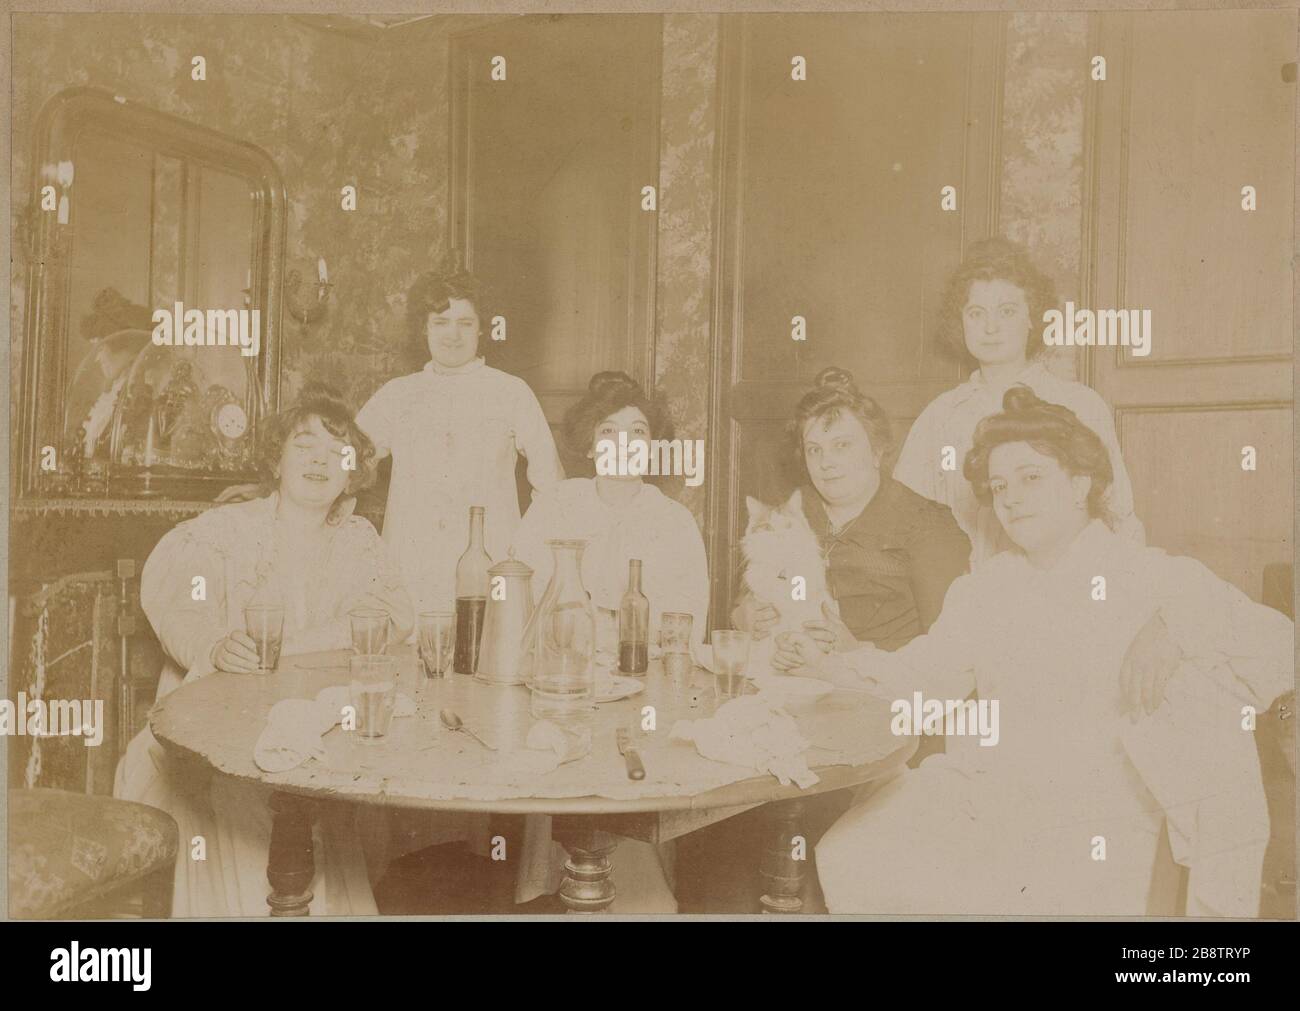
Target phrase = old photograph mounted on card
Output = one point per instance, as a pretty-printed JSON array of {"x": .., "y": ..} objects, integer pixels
[{"x": 666, "y": 463}]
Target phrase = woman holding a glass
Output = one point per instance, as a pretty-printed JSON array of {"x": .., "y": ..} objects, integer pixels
[{"x": 290, "y": 564}]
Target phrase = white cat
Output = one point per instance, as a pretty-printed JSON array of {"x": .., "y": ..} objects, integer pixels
[{"x": 780, "y": 548}]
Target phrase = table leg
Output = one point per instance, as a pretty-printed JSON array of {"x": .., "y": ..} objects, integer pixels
[
  {"x": 784, "y": 858},
  {"x": 291, "y": 863},
  {"x": 588, "y": 885}
]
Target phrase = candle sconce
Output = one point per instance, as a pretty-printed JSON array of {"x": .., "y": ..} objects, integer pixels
[{"x": 308, "y": 301}]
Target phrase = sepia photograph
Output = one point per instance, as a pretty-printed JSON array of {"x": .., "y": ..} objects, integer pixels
[{"x": 667, "y": 463}]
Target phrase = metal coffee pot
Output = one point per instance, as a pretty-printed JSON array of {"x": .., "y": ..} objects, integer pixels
[{"x": 509, "y": 606}]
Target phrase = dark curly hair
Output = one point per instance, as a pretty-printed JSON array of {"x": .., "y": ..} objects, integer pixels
[
  {"x": 316, "y": 401},
  {"x": 1050, "y": 429},
  {"x": 995, "y": 259},
  {"x": 433, "y": 291},
  {"x": 113, "y": 312},
  {"x": 834, "y": 391},
  {"x": 608, "y": 393}
]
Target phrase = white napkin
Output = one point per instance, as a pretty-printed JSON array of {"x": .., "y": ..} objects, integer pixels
[
  {"x": 547, "y": 747},
  {"x": 755, "y": 732},
  {"x": 294, "y": 727}
]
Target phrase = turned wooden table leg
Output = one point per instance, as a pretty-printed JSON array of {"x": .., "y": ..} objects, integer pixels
[
  {"x": 588, "y": 885},
  {"x": 785, "y": 855},
  {"x": 290, "y": 863}
]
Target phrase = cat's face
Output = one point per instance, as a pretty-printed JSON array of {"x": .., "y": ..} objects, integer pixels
[{"x": 779, "y": 545}]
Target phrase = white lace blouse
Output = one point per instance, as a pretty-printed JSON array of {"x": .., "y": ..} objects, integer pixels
[{"x": 232, "y": 549}]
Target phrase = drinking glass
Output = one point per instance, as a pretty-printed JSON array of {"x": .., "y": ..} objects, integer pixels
[
  {"x": 437, "y": 638},
  {"x": 675, "y": 645},
  {"x": 369, "y": 631},
  {"x": 374, "y": 693},
  {"x": 264, "y": 624},
  {"x": 675, "y": 632},
  {"x": 730, "y": 654}
]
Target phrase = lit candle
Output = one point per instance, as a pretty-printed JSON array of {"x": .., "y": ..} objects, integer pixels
[{"x": 324, "y": 274}]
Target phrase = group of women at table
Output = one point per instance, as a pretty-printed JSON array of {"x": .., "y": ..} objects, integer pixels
[{"x": 947, "y": 580}]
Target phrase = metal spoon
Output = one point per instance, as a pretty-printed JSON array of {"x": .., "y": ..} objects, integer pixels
[{"x": 453, "y": 722}]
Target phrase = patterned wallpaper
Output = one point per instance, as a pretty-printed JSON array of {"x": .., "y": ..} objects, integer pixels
[
  {"x": 1042, "y": 147},
  {"x": 688, "y": 114},
  {"x": 331, "y": 111}
]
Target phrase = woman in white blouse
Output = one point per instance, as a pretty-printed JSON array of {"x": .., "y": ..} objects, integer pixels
[
  {"x": 992, "y": 315},
  {"x": 455, "y": 430},
  {"x": 621, "y": 517},
  {"x": 1126, "y": 681},
  {"x": 299, "y": 546}
]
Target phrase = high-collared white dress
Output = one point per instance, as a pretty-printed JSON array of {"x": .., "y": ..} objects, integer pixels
[
  {"x": 949, "y": 421},
  {"x": 1021, "y": 826},
  {"x": 455, "y": 436},
  {"x": 236, "y": 551},
  {"x": 652, "y": 527}
]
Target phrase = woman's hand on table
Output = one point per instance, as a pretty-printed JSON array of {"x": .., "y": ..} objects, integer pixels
[
  {"x": 755, "y": 618},
  {"x": 236, "y": 653},
  {"x": 800, "y": 655},
  {"x": 831, "y": 634}
]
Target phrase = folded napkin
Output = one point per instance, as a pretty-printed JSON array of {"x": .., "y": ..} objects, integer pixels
[
  {"x": 547, "y": 747},
  {"x": 294, "y": 727},
  {"x": 753, "y": 731}
]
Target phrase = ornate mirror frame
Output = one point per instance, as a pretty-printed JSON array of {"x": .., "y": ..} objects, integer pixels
[{"x": 45, "y": 350}]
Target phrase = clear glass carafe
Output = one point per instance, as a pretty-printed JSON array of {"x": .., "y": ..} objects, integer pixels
[{"x": 560, "y": 642}]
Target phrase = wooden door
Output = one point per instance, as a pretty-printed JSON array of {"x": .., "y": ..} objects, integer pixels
[
  {"x": 1196, "y": 106},
  {"x": 548, "y": 166},
  {"x": 831, "y": 211}
]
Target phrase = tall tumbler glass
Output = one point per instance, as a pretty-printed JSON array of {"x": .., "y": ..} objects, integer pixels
[
  {"x": 264, "y": 624},
  {"x": 373, "y": 691},
  {"x": 675, "y": 646},
  {"x": 730, "y": 654},
  {"x": 369, "y": 630},
  {"x": 437, "y": 638}
]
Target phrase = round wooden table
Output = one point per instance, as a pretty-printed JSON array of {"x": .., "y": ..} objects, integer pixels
[{"x": 216, "y": 721}]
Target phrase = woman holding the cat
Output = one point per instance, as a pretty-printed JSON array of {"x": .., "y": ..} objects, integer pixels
[{"x": 890, "y": 553}]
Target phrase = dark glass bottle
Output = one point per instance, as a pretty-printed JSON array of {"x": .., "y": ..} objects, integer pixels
[
  {"x": 634, "y": 624},
  {"x": 471, "y": 595}
]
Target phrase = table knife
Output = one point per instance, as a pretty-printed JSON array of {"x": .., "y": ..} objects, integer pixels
[{"x": 635, "y": 770}]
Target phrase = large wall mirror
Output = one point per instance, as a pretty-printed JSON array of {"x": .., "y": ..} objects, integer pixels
[{"x": 136, "y": 211}]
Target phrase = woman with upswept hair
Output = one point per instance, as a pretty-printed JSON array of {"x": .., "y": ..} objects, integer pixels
[
  {"x": 991, "y": 317},
  {"x": 1121, "y": 675},
  {"x": 299, "y": 546}
]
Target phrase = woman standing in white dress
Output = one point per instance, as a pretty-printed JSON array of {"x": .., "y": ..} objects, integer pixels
[
  {"x": 992, "y": 312},
  {"x": 455, "y": 430},
  {"x": 299, "y": 546},
  {"x": 621, "y": 517},
  {"x": 1126, "y": 682}
]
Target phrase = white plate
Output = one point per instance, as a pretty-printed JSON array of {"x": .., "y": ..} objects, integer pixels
[{"x": 614, "y": 688}]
